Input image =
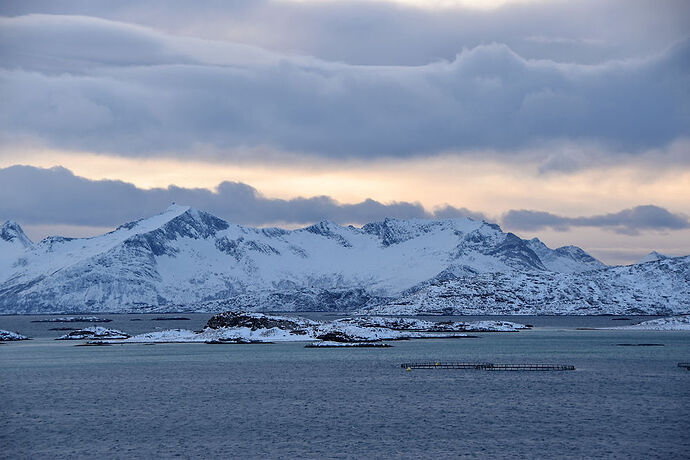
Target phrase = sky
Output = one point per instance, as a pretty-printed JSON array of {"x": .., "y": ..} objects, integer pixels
[{"x": 569, "y": 121}]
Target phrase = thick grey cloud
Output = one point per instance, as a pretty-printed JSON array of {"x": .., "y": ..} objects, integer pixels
[
  {"x": 56, "y": 196},
  {"x": 385, "y": 33},
  {"x": 89, "y": 84},
  {"x": 628, "y": 221}
]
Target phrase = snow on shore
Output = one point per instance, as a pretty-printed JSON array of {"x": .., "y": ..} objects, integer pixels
[
  {"x": 96, "y": 332},
  {"x": 9, "y": 336},
  {"x": 413, "y": 324},
  {"x": 671, "y": 323},
  {"x": 257, "y": 327},
  {"x": 222, "y": 334},
  {"x": 73, "y": 319}
]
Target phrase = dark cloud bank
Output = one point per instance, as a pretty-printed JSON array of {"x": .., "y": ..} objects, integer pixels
[
  {"x": 89, "y": 84},
  {"x": 56, "y": 196},
  {"x": 627, "y": 221}
]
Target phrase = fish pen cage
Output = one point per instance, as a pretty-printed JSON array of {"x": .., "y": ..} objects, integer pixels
[{"x": 489, "y": 366}]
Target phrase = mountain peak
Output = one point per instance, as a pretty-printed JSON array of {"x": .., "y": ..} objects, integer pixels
[
  {"x": 186, "y": 221},
  {"x": 185, "y": 256},
  {"x": 323, "y": 224},
  {"x": 394, "y": 231},
  {"x": 175, "y": 208},
  {"x": 10, "y": 224},
  {"x": 329, "y": 230},
  {"x": 652, "y": 256},
  {"x": 565, "y": 258},
  {"x": 12, "y": 232},
  {"x": 148, "y": 224}
]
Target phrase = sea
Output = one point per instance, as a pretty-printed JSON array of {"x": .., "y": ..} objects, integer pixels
[{"x": 627, "y": 397}]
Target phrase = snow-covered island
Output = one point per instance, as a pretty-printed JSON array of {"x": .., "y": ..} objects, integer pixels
[
  {"x": 96, "y": 332},
  {"x": 9, "y": 336},
  {"x": 241, "y": 327},
  {"x": 73, "y": 319},
  {"x": 413, "y": 324},
  {"x": 671, "y": 323}
]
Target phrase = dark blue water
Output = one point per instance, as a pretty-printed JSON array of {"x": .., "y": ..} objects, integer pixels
[{"x": 282, "y": 400}]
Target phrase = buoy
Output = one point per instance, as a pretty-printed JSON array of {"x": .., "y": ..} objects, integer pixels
[
  {"x": 437, "y": 363},
  {"x": 408, "y": 369}
]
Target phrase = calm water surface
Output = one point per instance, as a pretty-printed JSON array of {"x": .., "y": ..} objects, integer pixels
[{"x": 282, "y": 400}]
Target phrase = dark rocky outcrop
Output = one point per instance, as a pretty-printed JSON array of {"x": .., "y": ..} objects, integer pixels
[
  {"x": 341, "y": 337},
  {"x": 96, "y": 332},
  {"x": 235, "y": 341},
  {"x": 252, "y": 321},
  {"x": 348, "y": 345}
]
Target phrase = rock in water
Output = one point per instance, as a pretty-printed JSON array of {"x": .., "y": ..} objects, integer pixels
[
  {"x": 96, "y": 332},
  {"x": 255, "y": 321},
  {"x": 9, "y": 336}
]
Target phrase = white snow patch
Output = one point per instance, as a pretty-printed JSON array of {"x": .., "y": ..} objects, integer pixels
[
  {"x": 345, "y": 330},
  {"x": 651, "y": 257},
  {"x": 672, "y": 323},
  {"x": 96, "y": 332},
  {"x": 187, "y": 258},
  {"x": 9, "y": 336}
]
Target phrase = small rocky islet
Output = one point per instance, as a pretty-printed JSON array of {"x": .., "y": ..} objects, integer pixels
[
  {"x": 9, "y": 336},
  {"x": 248, "y": 328},
  {"x": 233, "y": 327},
  {"x": 94, "y": 333},
  {"x": 245, "y": 328},
  {"x": 73, "y": 319}
]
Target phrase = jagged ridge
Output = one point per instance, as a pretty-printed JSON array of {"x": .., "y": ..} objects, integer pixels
[{"x": 186, "y": 259}]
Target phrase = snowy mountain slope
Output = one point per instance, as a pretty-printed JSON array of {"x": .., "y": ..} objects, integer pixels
[
  {"x": 567, "y": 259},
  {"x": 187, "y": 256},
  {"x": 14, "y": 244},
  {"x": 661, "y": 287},
  {"x": 12, "y": 234},
  {"x": 673, "y": 323},
  {"x": 185, "y": 259}
]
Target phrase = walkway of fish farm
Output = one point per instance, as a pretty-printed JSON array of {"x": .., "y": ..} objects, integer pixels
[{"x": 489, "y": 366}]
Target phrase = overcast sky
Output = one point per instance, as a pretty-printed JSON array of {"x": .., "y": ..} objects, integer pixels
[{"x": 564, "y": 120}]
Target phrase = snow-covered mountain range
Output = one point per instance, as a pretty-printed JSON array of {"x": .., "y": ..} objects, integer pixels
[{"x": 185, "y": 259}]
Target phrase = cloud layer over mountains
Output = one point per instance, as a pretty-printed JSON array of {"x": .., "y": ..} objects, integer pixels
[
  {"x": 27, "y": 195},
  {"x": 90, "y": 84},
  {"x": 571, "y": 119},
  {"x": 627, "y": 221}
]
